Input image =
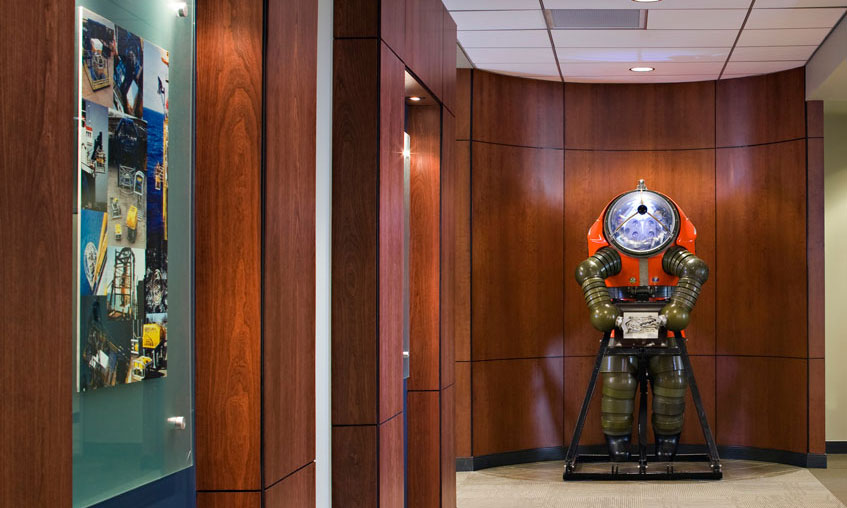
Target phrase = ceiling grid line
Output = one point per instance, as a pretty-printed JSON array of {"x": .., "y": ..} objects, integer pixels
[
  {"x": 683, "y": 40},
  {"x": 737, "y": 38},
  {"x": 553, "y": 46}
]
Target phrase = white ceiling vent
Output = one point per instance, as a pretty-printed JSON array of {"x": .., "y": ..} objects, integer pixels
[{"x": 596, "y": 19}]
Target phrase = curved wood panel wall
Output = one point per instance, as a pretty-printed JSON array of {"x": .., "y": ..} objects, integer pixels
[{"x": 543, "y": 160}]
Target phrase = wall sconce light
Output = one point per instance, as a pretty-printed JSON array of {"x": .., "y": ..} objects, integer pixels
[
  {"x": 180, "y": 8},
  {"x": 642, "y": 69}
]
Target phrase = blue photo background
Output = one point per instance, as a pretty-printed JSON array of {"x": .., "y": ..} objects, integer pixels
[
  {"x": 90, "y": 227},
  {"x": 155, "y": 147},
  {"x": 157, "y": 247}
]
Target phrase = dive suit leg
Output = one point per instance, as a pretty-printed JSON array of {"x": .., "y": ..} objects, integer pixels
[
  {"x": 619, "y": 386},
  {"x": 669, "y": 386}
]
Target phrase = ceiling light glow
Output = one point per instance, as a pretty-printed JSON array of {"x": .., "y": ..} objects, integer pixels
[
  {"x": 414, "y": 98},
  {"x": 642, "y": 69}
]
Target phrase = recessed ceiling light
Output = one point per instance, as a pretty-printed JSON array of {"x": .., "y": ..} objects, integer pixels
[
  {"x": 414, "y": 98},
  {"x": 642, "y": 69}
]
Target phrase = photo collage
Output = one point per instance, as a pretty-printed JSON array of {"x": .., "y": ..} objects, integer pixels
[{"x": 123, "y": 213}]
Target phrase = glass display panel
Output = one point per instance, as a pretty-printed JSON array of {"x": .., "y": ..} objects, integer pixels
[{"x": 133, "y": 371}]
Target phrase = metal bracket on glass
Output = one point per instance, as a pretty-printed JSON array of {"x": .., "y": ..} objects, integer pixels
[{"x": 178, "y": 422}]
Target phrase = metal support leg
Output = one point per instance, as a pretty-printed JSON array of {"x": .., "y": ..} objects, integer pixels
[
  {"x": 698, "y": 404},
  {"x": 570, "y": 458},
  {"x": 642, "y": 412}
]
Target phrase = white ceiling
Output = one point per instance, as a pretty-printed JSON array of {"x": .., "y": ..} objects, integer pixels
[{"x": 685, "y": 40}]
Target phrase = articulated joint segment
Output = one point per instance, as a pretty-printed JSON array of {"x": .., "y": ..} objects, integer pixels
[
  {"x": 693, "y": 273},
  {"x": 591, "y": 275}
]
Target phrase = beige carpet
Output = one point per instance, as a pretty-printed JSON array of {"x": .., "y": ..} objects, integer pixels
[{"x": 746, "y": 484}]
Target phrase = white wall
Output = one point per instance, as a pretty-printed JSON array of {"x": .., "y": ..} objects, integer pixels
[
  {"x": 835, "y": 161},
  {"x": 323, "y": 242}
]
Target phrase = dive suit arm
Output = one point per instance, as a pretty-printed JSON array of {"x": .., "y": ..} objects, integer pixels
[
  {"x": 591, "y": 275},
  {"x": 693, "y": 273}
]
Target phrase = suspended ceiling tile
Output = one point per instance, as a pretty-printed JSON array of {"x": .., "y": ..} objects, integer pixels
[
  {"x": 490, "y": 5},
  {"x": 783, "y": 37},
  {"x": 777, "y": 53},
  {"x": 622, "y": 68},
  {"x": 631, "y": 78},
  {"x": 767, "y": 4},
  {"x": 499, "y": 20},
  {"x": 666, "y": 4},
  {"x": 511, "y": 55},
  {"x": 793, "y": 18},
  {"x": 749, "y": 68},
  {"x": 525, "y": 69},
  {"x": 504, "y": 39},
  {"x": 644, "y": 38},
  {"x": 642, "y": 54},
  {"x": 696, "y": 19}
]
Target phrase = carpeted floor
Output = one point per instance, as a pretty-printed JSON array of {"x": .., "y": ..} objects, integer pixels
[{"x": 746, "y": 484}]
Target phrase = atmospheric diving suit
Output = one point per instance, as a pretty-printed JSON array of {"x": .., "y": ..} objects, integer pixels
[{"x": 641, "y": 280}]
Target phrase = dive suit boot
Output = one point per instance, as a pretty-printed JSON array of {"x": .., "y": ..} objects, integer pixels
[
  {"x": 666, "y": 447},
  {"x": 619, "y": 447}
]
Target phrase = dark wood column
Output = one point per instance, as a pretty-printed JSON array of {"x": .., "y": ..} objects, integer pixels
[
  {"x": 375, "y": 42},
  {"x": 37, "y": 143},
  {"x": 255, "y": 253}
]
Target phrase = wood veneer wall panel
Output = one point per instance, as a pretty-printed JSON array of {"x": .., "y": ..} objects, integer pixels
[
  {"x": 448, "y": 447},
  {"x": 462, "y": 278},
  {"x": 448, "y": 63},
  {"x": 424, "y": 465},
  {"x": 295, "y": 491},
  {"x": 704, "y": 371},
  {"x": 288, "y": 352},
  {"x": 357, "y": 18},
  {"x": 761, "y": 250},
  {"x": 640, "y": 117},
  {"x": 355, "y": 479},
  {"x": 578, "y": 373},
  {"x": 815, "y": 255},
  {"x": 814, "y": 119},
  {"x": 450, "y": 283},
  {"x": 393, "y": 25},
  {"x": 391, "y": 466},
  {"x": 37, "y": 149},
  {"x": 424, "y": 42},
  {"x": 424, "y": 128},
  {"x": 592, "y": 178},
  {"x": 391, "y": 240},
  {"x": 229, "y": 500},
  {"x": 463, "y": 409},
  {"x": 517, "y": 252},
  {"x": 762, "y": 402},
  {"x": 817, "y": 405},
  {"x": 354, "y": 233},
  {"x": 517, "y": 405},
  {"x": 761, "y": 109},
  {"x": 227, "y": 266},
  {"x": 463, "y": 104},
  {"x": 516, "y": 111}
]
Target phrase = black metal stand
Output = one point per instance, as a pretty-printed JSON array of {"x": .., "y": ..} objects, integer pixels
[{"x": 642, "y": 458}]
